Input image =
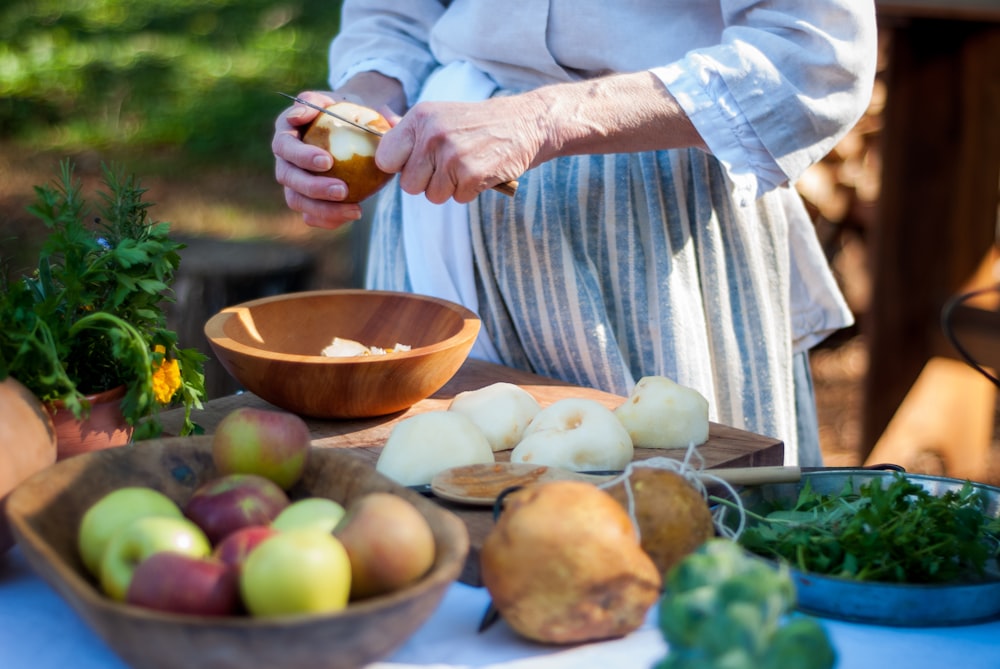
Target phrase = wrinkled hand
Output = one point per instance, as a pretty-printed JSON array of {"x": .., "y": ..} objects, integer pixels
[
  {"x": 459, "y": 149},
  {"x": 317, "y": 198}
]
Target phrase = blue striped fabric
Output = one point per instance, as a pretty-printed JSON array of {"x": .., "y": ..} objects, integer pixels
[{"x": 604, "y": 269}]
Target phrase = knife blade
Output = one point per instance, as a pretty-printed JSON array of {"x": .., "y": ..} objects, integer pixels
[
  {"x": 333, "y": 114},
  {"x": 508, "y": 188}
]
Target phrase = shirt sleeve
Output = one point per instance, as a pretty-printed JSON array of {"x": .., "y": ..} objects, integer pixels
[
  {"x": 785, "y": 83},
  {"x": 385, "y": 36}
]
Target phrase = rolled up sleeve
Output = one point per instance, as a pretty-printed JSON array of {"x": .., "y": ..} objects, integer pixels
[
  {"x": 385, "y": 36},
  {"x": 786, "y": 82}
]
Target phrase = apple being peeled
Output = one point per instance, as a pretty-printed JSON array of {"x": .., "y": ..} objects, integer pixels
[
  {"x": 142, "y": 538},
  {"x": 353, "y": 149},
  {"x": 234, "y": 549},
  {"x": 118, "y": 508},
  {"x": 272, "y": 444},
  {"x": 295, "y": 572},
  {"x": 389, "y": 542},
  {"x": 179, "y": 583},
  {"x": 227, "y": 503}
]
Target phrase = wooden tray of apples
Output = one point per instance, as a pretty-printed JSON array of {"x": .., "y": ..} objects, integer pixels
[{"x": 47, "y": 516}]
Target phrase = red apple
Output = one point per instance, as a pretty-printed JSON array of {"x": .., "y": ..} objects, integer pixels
[
  {"x": 272, "y": 444},
  {"x": 234, "y": 548},
  {"x": 180, "y": 583},
  {"x": 227, "y": 503}
]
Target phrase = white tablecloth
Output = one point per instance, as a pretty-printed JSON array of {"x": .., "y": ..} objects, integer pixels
[{"x": 39, "y": 631}]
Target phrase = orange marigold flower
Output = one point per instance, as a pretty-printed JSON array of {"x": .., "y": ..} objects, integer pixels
[{"x": 166, "y": 378}]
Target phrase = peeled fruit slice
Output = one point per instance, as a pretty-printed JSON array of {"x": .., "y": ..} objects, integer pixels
[
  {"x": 353, "y": 149},
  {"x": 660, "y": 413},
  {"x": 673, "y": 517},
  {"x": 501, "y": 410},
  {"x": 423, "y": 445},
  {"x": 563, "y": 565},
  {"x": 576, "y": 434}
]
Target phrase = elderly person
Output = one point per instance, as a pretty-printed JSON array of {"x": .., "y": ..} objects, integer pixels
[{"x": 655, "y": 230}]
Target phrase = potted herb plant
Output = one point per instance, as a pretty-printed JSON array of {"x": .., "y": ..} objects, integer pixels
[{"x": 90, "y": 317}]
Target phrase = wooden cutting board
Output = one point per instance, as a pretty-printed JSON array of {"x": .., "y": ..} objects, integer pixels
[{"x": 726, "y": 446}]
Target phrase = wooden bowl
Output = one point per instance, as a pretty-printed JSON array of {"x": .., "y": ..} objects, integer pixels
[
  {"x": 273, "y": 347},
  {"x": 45, "y": 512}
]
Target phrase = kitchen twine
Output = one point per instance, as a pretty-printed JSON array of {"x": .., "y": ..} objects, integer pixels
[{"x": 696, "y": 475}]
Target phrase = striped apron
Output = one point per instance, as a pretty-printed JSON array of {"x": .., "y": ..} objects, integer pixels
[{"x": 604, "y": 269}]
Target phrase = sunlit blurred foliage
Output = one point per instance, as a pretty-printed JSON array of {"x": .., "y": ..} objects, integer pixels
[{"x": 147, "y": 74}]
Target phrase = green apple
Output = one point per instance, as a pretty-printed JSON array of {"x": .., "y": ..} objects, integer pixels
[
  {"x": 272, "y": 444},
  {"x": 320, "y": 513},
  {"x": 142, "y": 538},
  {"x": 296, "y": 572},
  {"x": 114, "y": 511}
]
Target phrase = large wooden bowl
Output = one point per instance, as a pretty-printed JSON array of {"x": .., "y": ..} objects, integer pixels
[
  {"x": 45, "y": 512},
  {"x": 273, "y": 347}
]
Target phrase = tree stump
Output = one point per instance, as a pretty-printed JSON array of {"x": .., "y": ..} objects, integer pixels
[{"x": 218, "y": 273}]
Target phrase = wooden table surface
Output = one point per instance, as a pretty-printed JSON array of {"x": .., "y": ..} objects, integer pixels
[{"x": 726, "y": 446}]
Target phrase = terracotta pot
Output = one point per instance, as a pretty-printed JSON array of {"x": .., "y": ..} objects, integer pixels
[{"x": 105, "y": 427}]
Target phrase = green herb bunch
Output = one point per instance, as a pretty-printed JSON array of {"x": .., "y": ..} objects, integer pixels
[
  {"x": 90, "y": 317},
  {"x": 898, "y": 533},
  {"x": 723, "y": 608}
]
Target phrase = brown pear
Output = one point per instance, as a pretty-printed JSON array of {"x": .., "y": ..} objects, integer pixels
[
  {"x": 353, "y": 149},
  {"x": 563, "y": 565},
  {"x": 673, "y": 518}
]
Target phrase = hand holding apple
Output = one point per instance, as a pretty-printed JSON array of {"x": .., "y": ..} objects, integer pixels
[{"x": 353, "y": 149}]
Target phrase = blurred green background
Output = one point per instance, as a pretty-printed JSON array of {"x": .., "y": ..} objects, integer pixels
[
  {"x": 181, "y": 93},
  {"x": 194, "y": 77}
]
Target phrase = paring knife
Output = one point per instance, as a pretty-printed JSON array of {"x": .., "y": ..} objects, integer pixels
[{"x": 507, "y": 188}]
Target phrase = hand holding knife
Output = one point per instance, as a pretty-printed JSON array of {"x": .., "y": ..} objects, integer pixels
[{"x": 508, "y": 188}]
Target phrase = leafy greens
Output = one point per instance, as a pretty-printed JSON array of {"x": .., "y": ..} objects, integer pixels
[{"x": 897, "y": 533}]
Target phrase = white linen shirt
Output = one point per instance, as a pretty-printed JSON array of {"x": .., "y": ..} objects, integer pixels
[{"x": 770, "y": 85}]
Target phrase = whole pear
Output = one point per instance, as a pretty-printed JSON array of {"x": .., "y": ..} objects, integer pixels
[
  {"x": 563, "y": 565},
  {"x": 389, "y": 542},
  {"x": 672, "y": 516}
]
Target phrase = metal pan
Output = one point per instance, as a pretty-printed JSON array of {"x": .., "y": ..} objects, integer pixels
[{"x": 885, "y": 603}]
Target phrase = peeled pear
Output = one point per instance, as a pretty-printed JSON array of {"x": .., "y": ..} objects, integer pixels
[
  {"x": 353, "y": 149},
  {"x": 423, "y": 445},
  {"x": 673, "y": 517},
  {"x": 661, "y": 413},
  {"x": 563, "y": 565},
  {"x": 577, "y": 434},
  {"x": 501, "y": 410}
]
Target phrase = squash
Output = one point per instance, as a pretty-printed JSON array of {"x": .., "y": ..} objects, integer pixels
[{"x": 27, "y": 444}]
